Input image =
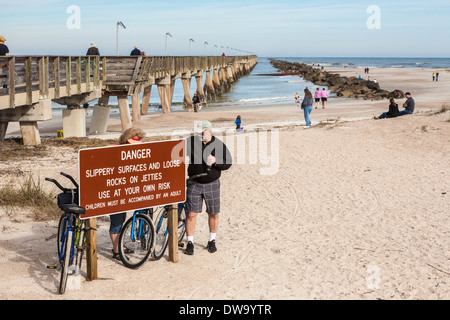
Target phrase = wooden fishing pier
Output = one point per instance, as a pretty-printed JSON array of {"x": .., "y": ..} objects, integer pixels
[{"x": 29, "y": 84}]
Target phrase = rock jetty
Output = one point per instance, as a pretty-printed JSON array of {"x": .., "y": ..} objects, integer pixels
[{"x": 348, "y": 87}]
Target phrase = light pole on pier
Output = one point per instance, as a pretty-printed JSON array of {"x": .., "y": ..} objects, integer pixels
[
  {"x": 190, "y": 40},
  {"x": 167, "y": 34},
  {"x": 204, "y": 50},
  {"x": 119, "y": 23}
]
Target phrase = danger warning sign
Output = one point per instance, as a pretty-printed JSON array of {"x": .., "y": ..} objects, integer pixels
[{"x": 130, "y": 177}]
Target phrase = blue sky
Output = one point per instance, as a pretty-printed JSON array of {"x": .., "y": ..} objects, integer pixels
[{"x": 266, "y": 28}]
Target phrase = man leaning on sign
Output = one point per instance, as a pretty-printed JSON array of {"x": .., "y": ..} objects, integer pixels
[{"x": 206, "y": 154}]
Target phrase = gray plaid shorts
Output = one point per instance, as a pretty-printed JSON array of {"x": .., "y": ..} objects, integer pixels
[{"x": 197, "y": 192}]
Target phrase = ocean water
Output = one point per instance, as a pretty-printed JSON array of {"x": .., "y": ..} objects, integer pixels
[
  {"x": 426, "y": 63},
  {"x": 258, "y": 88}
]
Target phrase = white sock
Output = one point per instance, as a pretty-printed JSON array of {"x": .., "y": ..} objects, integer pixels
[
  {"x": 212, "y": 236},
  {"x": 190, "y": 238}
]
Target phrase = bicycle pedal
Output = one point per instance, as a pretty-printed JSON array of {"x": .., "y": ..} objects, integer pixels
[
  {"x": 52, "y": 267},
  {"x": 181, "y": 244},
  {"x": 80, "y": 248}
]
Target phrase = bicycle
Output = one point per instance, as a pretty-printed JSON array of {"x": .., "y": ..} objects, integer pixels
[
  {"x": 137, "y": 238},
  {"x": 71, "y": 232},
  {"x": 162, "y": 227}
]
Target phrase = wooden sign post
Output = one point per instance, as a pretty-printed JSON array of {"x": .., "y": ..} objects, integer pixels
[
  {"x": 91, "y": 249},
  {"x": 173, "y": 233},
  {"x": 130, "y": 177}
]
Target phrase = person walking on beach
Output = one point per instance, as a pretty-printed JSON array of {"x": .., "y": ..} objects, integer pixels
[
  {"x": 4, "y": 51},
  {"x": 206, "y": 154},
  {"x": 324, "y": 97},
  {"x": 196, "y": 102},
  {"x": 317, "y": 96},
  {"x": 393, "y": 110},
  {"x": 434, "y": 76},
  {"x": 437, "y": 76},
  {"x": 129, "y": 136},
  {"x": 93, "y": 50},
  {"x": 307, "y": 106},
  {"x": 297, "y": 98},
  {"x": 409, "y": 105}
]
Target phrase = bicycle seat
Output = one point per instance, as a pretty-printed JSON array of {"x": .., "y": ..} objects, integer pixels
[{"x": 73, "y": 208}]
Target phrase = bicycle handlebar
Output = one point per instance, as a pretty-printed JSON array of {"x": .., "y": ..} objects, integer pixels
[
  {"x": 65, "y": 190},
  {"x": 70, "y": 178}
]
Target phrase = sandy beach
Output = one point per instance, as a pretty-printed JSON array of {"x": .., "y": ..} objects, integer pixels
[{"x": 352, "y": 208}]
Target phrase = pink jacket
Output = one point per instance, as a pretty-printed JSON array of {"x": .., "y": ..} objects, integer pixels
[
  {"x": 317, "y": 94},
  {"x": 324, "y": 94}
]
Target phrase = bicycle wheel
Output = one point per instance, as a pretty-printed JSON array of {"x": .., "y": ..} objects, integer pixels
[
  {"x": 67, "y": 249},
  {"x": 181, "y": 222},
  {"x": 138, "y": 237},
  {"x": 62, "y": 227},
  {"x": 161, "y": 233}
]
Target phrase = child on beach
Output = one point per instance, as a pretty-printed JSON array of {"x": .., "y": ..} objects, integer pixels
[
  {"x": 238, "y": 122},
  {"x": 297, "y": 98}
]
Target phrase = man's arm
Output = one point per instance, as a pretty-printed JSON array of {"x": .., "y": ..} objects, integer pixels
[{"x": 226, "y": 162}]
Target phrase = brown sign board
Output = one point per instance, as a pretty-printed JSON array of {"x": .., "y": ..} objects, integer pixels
[{"x": 129, "y": 177}]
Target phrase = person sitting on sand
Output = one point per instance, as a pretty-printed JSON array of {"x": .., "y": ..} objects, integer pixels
[
  {"x": 393, "y": 110},
  {"x": 409, "y": 105}
]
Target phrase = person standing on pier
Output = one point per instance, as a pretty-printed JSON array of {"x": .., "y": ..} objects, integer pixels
[
  {"x": 93, "y": 50},
  {"x": 135, "y": 51},
  {"x": 4, "y": 51}
]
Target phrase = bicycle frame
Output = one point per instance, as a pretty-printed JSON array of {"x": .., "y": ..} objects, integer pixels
[
  {"x": 141, "y": 226},
  {"x": 70, "y": 227},
  {"x": 64, "y": 237},
  {"x": 180, "y": 207}
]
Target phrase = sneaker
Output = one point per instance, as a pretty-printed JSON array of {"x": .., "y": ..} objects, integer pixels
[
  {"x": 189, "y": 248},
  {"x": 212, "y": 246},
  {"x": 306, "y": 127}
]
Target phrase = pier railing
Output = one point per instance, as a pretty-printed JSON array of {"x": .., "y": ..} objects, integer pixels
[
  {"x": 26, "y": 79},
  {"x": 28, "y": 84}
]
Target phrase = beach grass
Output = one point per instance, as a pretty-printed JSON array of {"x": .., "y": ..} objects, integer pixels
[{"x": 30, "y": 195}]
